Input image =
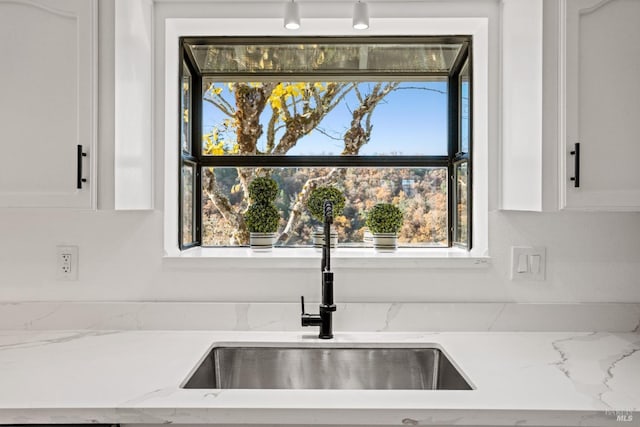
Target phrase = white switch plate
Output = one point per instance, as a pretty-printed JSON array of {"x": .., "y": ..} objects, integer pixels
[
  {"x": 525, "y": 260},
  {"x": 67, "y": 262}
]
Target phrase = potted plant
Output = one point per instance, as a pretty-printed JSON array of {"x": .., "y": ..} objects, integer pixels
[
  {"x": 315, "y": 204},
  {"x": 385, "y": 221},
  {"x": 262, "y": 216}
]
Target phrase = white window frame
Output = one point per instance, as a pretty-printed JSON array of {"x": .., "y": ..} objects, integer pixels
[{"x": 446, "y": 257}]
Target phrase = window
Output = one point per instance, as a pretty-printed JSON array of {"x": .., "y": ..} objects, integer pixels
[{"x": 385, "y": 119}]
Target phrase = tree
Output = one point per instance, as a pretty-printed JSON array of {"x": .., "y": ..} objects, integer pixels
[{"x": 297, "y": 109}]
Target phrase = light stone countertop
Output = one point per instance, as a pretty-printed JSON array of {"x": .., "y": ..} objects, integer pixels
[{"x": 547, "y": 378}]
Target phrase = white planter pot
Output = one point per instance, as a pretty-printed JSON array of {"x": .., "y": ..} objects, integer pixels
[
  {"x": 261, "y": 242},
  {"x": 367, "y": 238},
  {"x": 385, "y": 242},
  {"x": 318, "y": 238}
]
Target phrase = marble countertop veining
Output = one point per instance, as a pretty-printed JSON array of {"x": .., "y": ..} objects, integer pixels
[{"x": 546, "y": 378}]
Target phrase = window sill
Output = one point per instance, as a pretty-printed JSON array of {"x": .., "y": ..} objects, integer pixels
[{"x": 302, "y": 258}]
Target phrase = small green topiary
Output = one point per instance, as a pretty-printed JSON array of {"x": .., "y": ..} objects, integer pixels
[
  {"x": 262, "y": 218},
  {"x": 319, "y": 195},
  {"x": 263, "y": 190},
  {"x": 384, "y": 218}
]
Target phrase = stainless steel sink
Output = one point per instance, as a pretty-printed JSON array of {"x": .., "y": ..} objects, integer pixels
[{"x": 364, "y": 368}]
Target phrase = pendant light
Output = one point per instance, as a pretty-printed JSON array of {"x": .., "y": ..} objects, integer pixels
[
  {"x": 291, "y": 16},
  {"x": 360, "y": 16}
]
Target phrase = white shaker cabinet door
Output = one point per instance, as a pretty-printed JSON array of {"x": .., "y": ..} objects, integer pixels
[
  {"x": 600, "y": 104},
  {"x": 47, "y": 103}
]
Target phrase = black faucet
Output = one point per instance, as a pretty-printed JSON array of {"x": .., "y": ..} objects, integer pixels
[{"x": 324, "y": 319}]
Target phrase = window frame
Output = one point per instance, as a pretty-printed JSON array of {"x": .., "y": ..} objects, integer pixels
[
  {"x": 453, "y": 158},
  {"x": 486, "y": 133},
  {"x": 460, "y": 156},
  {"x": 192, "y": 157}
]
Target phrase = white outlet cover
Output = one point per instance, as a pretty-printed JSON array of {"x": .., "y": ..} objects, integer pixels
[
  {"x": 523, "y": 255},
  {"x": 67, "y": 270}
]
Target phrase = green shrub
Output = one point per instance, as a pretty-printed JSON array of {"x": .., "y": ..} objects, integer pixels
[
  {"x": 263, "y": 190},
  {"x": 319, "y": 195},
  {"x": 384, "y": 218},
  {"x": 262, "y": 218}
]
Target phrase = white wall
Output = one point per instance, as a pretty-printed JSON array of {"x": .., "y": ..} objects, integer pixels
[{"x": 591, "y": 256}]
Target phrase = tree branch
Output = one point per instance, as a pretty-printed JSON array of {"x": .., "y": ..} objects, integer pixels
[
  {"x": 444, "y": 92},
  {"x": 326, "y": 133},
  {"x": 224, "y": 207},
  {"x": 357, "y": 135},
  {"x": 300, "y": 125},
  {"x": 271, "y": 131},
  {"x": 220, "y": 107},
  {"x": 303, "y": 196}
]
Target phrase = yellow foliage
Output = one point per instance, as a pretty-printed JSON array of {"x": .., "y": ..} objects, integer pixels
[
  {"x": 218, "y": 150},
  {"x": 186, "y": 115},
  {"x": 290, "y": 90},
  {"x": 276, "y": 103},
  {"x": 342, "y": 221},
  {"x": 214, "y": 90},
  {"x": 296, "y": 89},
  {"x": 212, "y": 145}
]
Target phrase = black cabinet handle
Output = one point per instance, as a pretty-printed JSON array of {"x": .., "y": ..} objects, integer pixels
[
  {"x": 80, "y": 179},
  {"x": 576, "y": 165}
]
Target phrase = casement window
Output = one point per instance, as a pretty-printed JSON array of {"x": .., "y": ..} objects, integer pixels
[{"x": 384, "y": 119}]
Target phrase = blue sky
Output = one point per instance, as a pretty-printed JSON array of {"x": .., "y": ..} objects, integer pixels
[
  {"x": 464, "y": 118},
  {"x": 410, "y": 121}
]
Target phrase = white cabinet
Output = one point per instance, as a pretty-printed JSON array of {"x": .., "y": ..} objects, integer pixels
[
  {"x": 600, "y": 104},
  {"x": 47, "y": 102}
]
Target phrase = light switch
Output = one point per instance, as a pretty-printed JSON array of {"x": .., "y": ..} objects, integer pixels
[
  {"x": 534, "y": 260},
  {"x": 522, "y": 263},
  {"x": 528, "y": 263}
]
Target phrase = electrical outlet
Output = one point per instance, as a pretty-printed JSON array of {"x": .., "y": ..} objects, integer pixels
[{"x": 67, "y": 263}]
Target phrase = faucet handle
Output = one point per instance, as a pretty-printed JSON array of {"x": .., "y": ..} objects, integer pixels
[{"x": 302, "y": 303}]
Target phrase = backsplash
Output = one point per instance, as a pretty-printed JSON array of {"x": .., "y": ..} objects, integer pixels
[
  {"x": 591, "y": 258},
  {"x": 368, "y": 317}
]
